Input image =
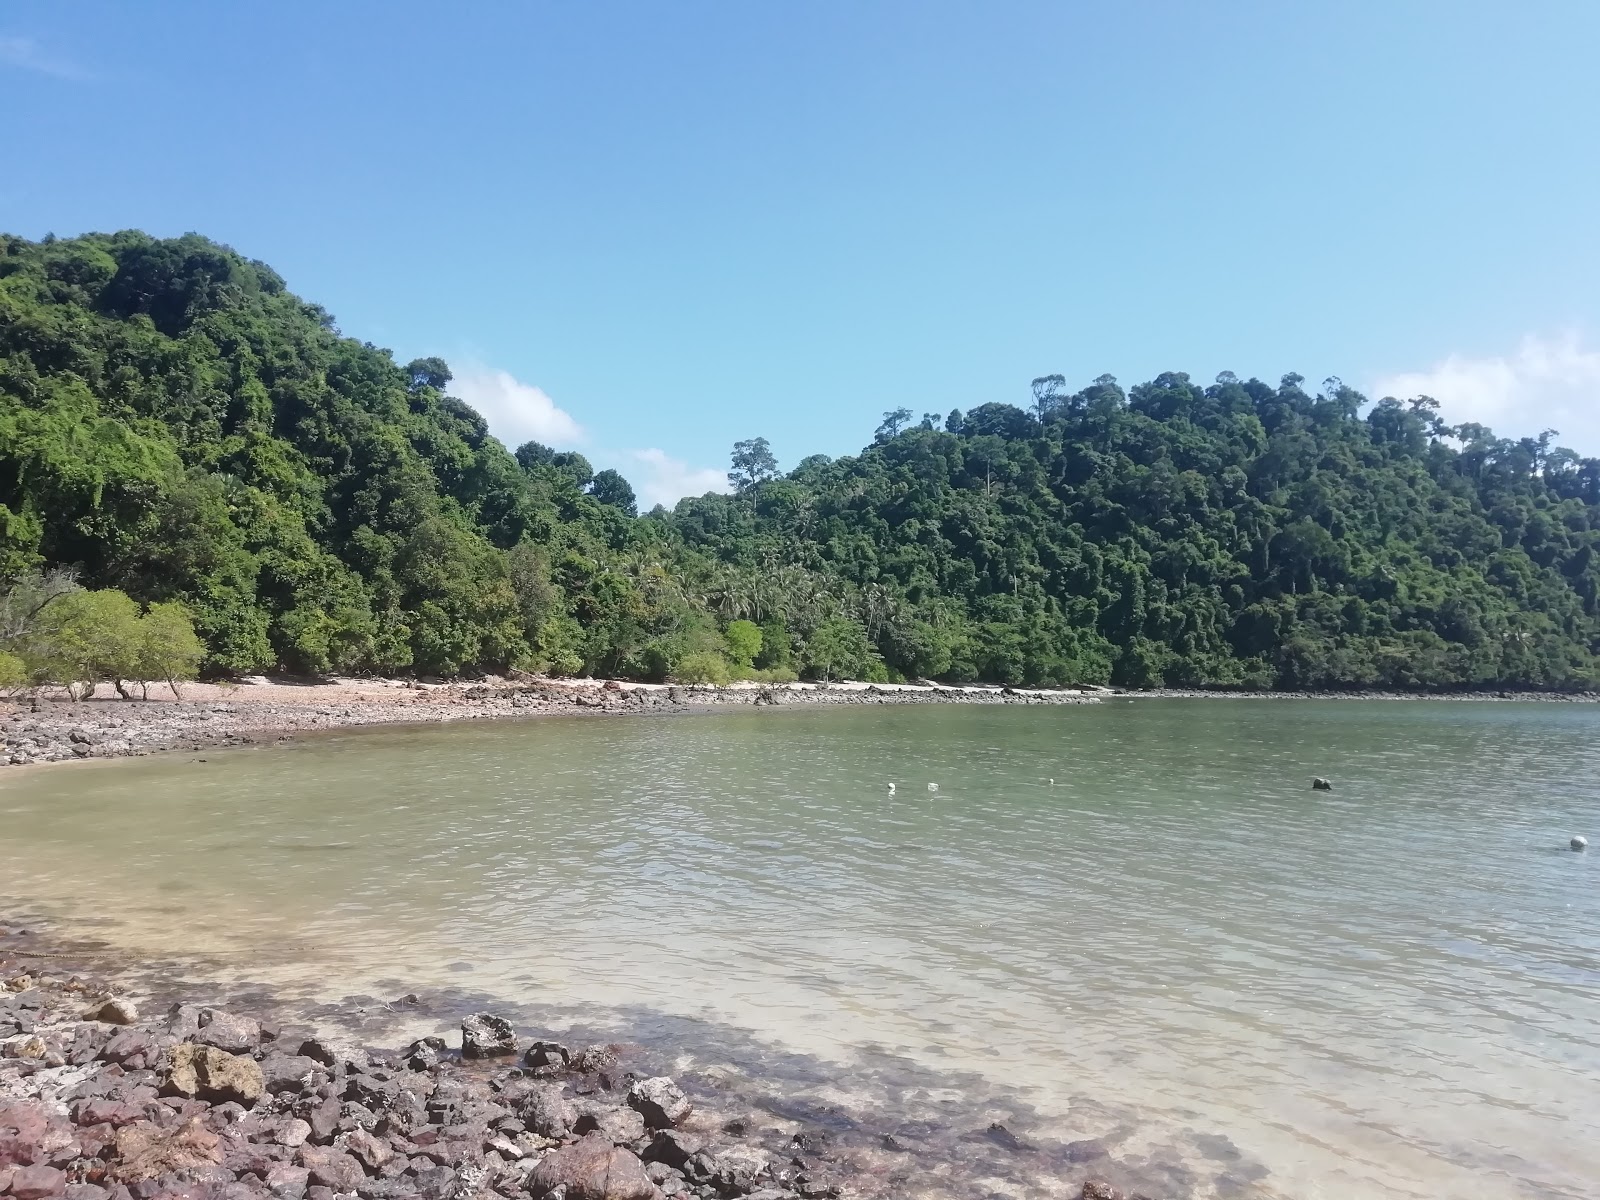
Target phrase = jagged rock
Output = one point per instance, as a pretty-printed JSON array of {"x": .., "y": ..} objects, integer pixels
[
  {"x": 1099, "y": 1189},
  {"x": 293, "y": 1133},
  {"x": 594, "y": 1058},
  {"x": 145, "y": 1151},
  {"x": 331, "y": 1168},
  {"x": 737, "y": 1168},
  {"x": 207, "y": 1073},
  {"x": 289, "y": 1072},
  {"x": 546, "y": 1113},
  {"x": 323, "y": 1117},
  {"x": 623, "y": 1126},
  {"x": 592, "y": 1169},
  {"x": 660, "y": 1102},
  {"x": 31, "y": 1134},
  {"x": 117, "y": 1010},
  {"x": 183, "y": 1020},
  {"x": 225, "y": 1031},
  {"x": 37, "y": 1183},
  {"x": 546, "y": 1057},
  {"x": 316, "y": 1048},
  {"x": 424, "y": 1053},
  {"x": 484, "y": 1035},
  {"x": 372, "y": 1151},
  {"x": 133, "y": 1049},
  {"x": 673, "y": 1147},
  {"x": 287, "y": 1182}
]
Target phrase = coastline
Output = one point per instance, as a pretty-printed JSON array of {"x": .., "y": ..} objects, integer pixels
[
  {"x": 54, "y": 729},
  {"x": 126, "y": 1079},
  {"x": 51, "y": 728}
]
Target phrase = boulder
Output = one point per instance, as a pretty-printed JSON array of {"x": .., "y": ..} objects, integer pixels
[
  {"x": 546, "y": 1057},
  {"x": 207, "y": 1073},
  {"x": 225, "y": 1031},
  {"x": 146, "y": 1151},
  {"x": 484, "y": 1035},
  {"x": 592, "y": 1169},
  {"x": 546, "y": 1112},
  {"x": 623, "y": 1126},
  {"x": 660, "y": 1102},
  {"x": 372, "y": 1151},
  {"x": 331, "y": 1168},
  {"x": 288, "y": 1072},
  {"x": 37, "y": 1183},
  {"x": 287, "y": 1182},
  {"x": 117, "y": 1010},
  {"x": 293, "y": 1133},
  {"x": 673, "y": 1147},
  {"x": 736, "y": 1169},
  {"x": 133, "y": 1049}
]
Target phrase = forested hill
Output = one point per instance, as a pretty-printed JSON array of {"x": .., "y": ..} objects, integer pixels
[{"x": 175, "y": 423}]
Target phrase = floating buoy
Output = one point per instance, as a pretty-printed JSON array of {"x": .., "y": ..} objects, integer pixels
[
  {"x": 891, "y": 789},
  {"x": 933, "y": 787},
  {"x": 1319, "y": 784},
  {"x": 1579, "y": 842}
]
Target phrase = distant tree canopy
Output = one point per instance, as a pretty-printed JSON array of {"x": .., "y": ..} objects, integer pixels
[{"x": 178, "y": 427}]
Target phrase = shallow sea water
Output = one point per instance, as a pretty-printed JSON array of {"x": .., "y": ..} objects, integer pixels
[{"x": 1387, "y": 990}]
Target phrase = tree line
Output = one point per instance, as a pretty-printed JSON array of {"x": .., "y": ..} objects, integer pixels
[{"x": 179, "y": 428}]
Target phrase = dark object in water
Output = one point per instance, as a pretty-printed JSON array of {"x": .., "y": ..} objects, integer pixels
[
  {"x": 1319, "y": 784},
  {"x": 1579, "y": 842}
]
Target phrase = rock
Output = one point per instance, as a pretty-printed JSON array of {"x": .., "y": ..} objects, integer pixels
[
  {"x": 660, "y": 1102},
  {"x": 1579, "y": 843},
  {"x": 27, "y": 1047},
  {"x": 372, "y": 1151},
  {"x": 544, "y": 1057},
  {"x": 287, "y": 1182},
  {"x": 225, "y": 1031},
  {"x": 293, "y": 1133},
  {"x": 115, "y": 1011},
  {"x": 737, "y": 1168},
  {"x": 145, "y": 1151},
  {"x": 673, "y": 1147},
  {"x": 484, "y": 1035},
  {"x": 133, "y": 1049},
  {"x": 183, "y": 1020},
  {"x": 207, "y": 1073},
  {"x": 323, "y": 1119},
  {"x": 591, "y": 1169},
  {"x": 1086, "y": 1151},
  {"x": 623, "y": 1126},
  {"x": 594, "y": 1058},
  {"x": 1319, "y": 784},
  {"x": 423, "y": 1054},
  {"x": 1099, "y": 1189},
  {"x": 288, "y": 1072},
  {"x": 37, "y": 1183},
  {"x": 331, "y": 1168},
  {"x": 315, "y": 1048},
  {"x": 546, "y": 1113}
]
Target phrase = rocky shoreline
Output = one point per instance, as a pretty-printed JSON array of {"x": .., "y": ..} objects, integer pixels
[
  {"x": 100, "y": 1101},
  {"x": 51, "y": 728}
]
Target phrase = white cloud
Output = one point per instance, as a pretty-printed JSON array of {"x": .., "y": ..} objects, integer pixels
[
  {"x": 1548, "y": 383},
  {"x": 26, "y": 53},
  {"x": 517, "y": 412},
  {"x": 666, "y": 480}
]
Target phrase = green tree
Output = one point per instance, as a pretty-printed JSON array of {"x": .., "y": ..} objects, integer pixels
[
  {"x": 167, "y": 647},
  {"x": 753, "y": 464},
  {"x": 611, "y": 488},
  {"x": 744, "y": 642}
]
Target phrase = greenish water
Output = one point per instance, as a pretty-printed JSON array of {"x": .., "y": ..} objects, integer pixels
[{"x": 1392, "y": 989}]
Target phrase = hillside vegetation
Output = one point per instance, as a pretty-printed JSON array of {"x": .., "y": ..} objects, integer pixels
[{"x": 177, "y": 425}]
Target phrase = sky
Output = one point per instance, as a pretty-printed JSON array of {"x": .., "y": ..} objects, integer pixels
[{"x": 646, "y": 230}]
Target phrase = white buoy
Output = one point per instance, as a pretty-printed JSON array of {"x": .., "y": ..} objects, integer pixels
[
  {"x": 1051, "y": 782},
  {"x": 891, "y": 789},
  {"x": 933, "y": 787},
  {"x": 1579, "y": 843}
]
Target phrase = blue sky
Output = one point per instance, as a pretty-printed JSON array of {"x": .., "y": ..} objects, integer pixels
[{"x": 648, "y": 230}]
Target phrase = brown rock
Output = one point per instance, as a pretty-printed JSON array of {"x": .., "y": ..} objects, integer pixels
[
  {"x": 1099, "y": 1189},
  {"x": 115, "y": 1011},
  {"x": 32, "y": 1135},
  {"x": 592, "y": 1169},
  {"x": 207, "y": 1073},
  {"x": 331, "y": 1168},
  {"x": 145, "y": 1151},
  {"x": 37, "y": 1183},
  {"x": 372, "y": 1151},
  {"x": 287, "y": 1182}
]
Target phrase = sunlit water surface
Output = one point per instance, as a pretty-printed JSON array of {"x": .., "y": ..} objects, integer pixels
[{"x": 1390, "y": 989}]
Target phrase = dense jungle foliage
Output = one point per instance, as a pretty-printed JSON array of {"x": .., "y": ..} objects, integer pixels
[{"x": 175, "y": 424}]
